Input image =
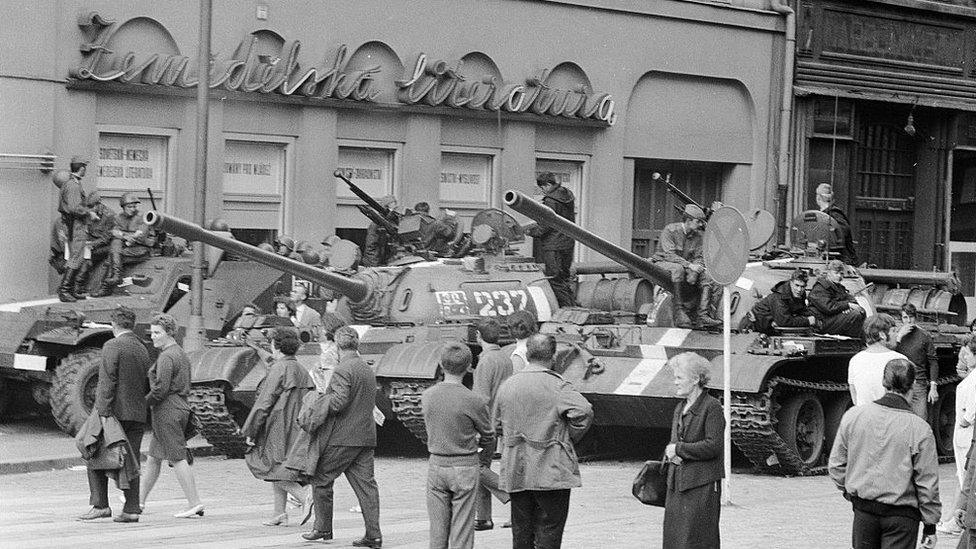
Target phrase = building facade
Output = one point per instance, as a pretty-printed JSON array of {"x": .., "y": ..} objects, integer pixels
[
  {"x": 449, "y": 103},
  {"x": 885, "y": 101}
]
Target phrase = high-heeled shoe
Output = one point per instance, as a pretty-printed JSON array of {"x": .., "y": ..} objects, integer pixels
[
  {"x": 277, "y": 521},
  {"x": 195, "y": 510}
]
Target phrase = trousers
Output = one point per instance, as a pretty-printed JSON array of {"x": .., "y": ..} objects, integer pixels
[
  {"x": 558, "y": 263},
  {"x": 920, "y": 399},
  {"x": 883, "y": 532},
  {"x": 848, "y": 323},
  {"x": 356, "y": 462},
  {"x": 451, "y": 496},
  {"x": 538, "y": 518},
  {"x": 98, "y": 480}
]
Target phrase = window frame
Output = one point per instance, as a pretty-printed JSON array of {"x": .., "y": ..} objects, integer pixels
[
  {"x": 169, "y": 134},
  {"x": 285, "y": 197},
  {"x": 491, "y": 193}
]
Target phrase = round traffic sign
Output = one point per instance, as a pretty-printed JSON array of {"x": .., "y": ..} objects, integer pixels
[{"x": 726, "y": 245}]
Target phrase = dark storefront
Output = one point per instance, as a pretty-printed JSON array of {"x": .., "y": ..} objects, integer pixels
[{"x": 882, "y": 89}]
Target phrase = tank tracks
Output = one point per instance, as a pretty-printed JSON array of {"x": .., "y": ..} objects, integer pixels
[
  {"x": 219, "y": 427},
  {"x": 754, "y": 427},
  {"x": 405, "y": 397}
]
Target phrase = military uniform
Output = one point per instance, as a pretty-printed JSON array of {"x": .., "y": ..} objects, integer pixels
[
  {"x": 557, "y": 248},
  {"x": 73, "y": 207},
  {"x": 678, "y": 249},
  {"x": 846, "y": 245}
]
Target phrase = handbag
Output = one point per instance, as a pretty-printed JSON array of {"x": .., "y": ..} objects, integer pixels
[{"x": 651, "y": 483}]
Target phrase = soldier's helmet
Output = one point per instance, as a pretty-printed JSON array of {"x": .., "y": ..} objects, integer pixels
[
  {"x": 285, "y": 245},
  {"x": 129, "y": 198},
  {"x": 219, "y": 224}
]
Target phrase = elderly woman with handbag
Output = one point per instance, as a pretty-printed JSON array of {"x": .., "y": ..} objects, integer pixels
[
  {"x": 271, "y": 429},
  {"x": 695, "y": 470}
]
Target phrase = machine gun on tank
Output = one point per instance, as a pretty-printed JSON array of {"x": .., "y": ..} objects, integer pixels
[{"x": 682, "y": 196}]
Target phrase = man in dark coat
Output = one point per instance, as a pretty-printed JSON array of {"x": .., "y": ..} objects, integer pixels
[
  {"x": 121, "y": 392},
  {"x": 834, "y": 306},
  {"x": 557, "y": 248},
  {"x": 917, "y": 345},
  {"x": 343, "y": 427},
  {"x": 378, "y": 247},
  {"x": 786, "y": 306},
  {"x": 825, "y": 201}
]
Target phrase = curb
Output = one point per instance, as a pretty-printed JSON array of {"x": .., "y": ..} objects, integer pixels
[{"x": 65, "y": 462}]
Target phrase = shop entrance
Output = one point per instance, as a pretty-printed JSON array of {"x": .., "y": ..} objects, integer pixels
[
  {"x": 962, "y": 225},
  {"x": 655, "y": 207}
]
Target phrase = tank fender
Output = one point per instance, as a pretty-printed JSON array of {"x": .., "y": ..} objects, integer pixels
[
  {"x": 69, "y": 336},
  {"x": 238, "y": 366},
  {"x": 749, "y": 372},
  {"x": 410, "y": 360}
]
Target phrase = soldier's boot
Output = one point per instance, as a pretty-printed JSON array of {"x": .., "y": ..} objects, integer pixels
[
  {"x": 705, "y": 319},
  {"x": 80, "y": 286},
  {"x": 114, "y": 275},
  {"x": 679, "y": 311},
  {"x": 57, "y": 261},
  {"x": 67, "y": 283}
]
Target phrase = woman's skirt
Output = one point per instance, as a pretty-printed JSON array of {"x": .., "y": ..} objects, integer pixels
[{"x": 169, "y": 433}]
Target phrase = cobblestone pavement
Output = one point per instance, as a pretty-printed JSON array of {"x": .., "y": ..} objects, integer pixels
[{"x": 38, "y": 509}]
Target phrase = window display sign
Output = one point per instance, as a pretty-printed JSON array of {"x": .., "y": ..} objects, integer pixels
[
  {"x": 465, "y": 179},
  {"x": 369, "y": 169},
  {"x": 132, "y": 162},
  {"x": 254, "y": 168}
]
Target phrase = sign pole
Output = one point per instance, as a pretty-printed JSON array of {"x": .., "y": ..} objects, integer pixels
[{"x": 727, "y": 392}]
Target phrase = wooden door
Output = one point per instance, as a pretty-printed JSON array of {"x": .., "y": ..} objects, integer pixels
[
  {"x": 655, "y": 207},
  {"x": 884, "y": 193}
]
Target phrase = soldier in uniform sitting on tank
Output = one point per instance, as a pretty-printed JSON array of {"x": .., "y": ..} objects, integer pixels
[
  {"x": 132, "y": 242},
  {"x": 679, "y": 251},
  {"x": 785, "y": 306},
  {"x": 441, "y": 233},
  {"x": 378, "y": 248},
  {"x": 99, "y": 242},
  {"x": 825, "y": 202},
  {"x": 834, "y": 306}
]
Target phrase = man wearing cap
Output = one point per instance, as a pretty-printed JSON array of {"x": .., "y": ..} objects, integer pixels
[
  {"x": 132, "y": 242},
  {"x": 557, "y": 248},
  {"x": 825, "y": 202},
  {"x": 679, "y": 251},
  {"x": 378, "y": 248},
  {"x": 76, "y": 215}
]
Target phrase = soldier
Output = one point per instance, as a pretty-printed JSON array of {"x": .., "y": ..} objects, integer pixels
[
  {"x": 825, "y": 202},
  {"x": 557, "y": 248},
  {"x": 99, "y": 244},
  {"x": 679, "y": 251},
  {"x": 378, "y": 248},
  {"x": 132, "y": 242},
  {"x": 834, "y": 305},
  {"x": 76, "y": 216},
  {"x": 441, "y": 233},
  {"x": 785, "y": 306}
]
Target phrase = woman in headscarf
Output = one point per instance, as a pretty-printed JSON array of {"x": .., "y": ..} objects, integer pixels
[{"x": 271, "y": 428}]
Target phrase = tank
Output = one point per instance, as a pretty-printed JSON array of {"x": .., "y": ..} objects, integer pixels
[
  {"x": 50, "y": 351},
  {"x": 789, "y": 391},
  {"x": 404, "y": 313}
]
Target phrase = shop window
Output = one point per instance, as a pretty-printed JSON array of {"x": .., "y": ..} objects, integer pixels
[
  {"x": 833, "y": 116},
  {"x": 133, "y": 160},
  {"x": 255, "y": 175},
  {"x": 655, "y": 206},
  {"x": 466, "y": 182},
  {"x": 371, "y": 166}
]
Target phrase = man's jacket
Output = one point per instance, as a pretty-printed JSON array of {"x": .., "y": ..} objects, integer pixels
[
  {"x": 828, "y": 298},
  {"x": 122, "y": 381},
  {"x": 884, "y": 460},
  {"x": 677, "y": 246},
  {"x": 562, "y": 201},
  {"x": 538, "y": 415},
  {"x": 781, "y": 307}
]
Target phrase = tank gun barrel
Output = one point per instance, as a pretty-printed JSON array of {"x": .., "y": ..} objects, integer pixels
[
  {"x": 545, "y": 216},
  {"x": 356, "y": 290}
]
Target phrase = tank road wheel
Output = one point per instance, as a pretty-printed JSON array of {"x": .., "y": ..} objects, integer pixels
[
  {"x": 801, "y": 426},
  {"x": 73, "y": 388},
  {"x": 834, "y": 408},
  {"x": 942, "y": 419}
]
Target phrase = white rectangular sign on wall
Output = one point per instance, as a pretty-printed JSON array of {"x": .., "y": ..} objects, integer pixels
[
  {"x": 132, "y": 162},
  {"x": 465, "y": 179},
  {"x": 254, "y": 168}
]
